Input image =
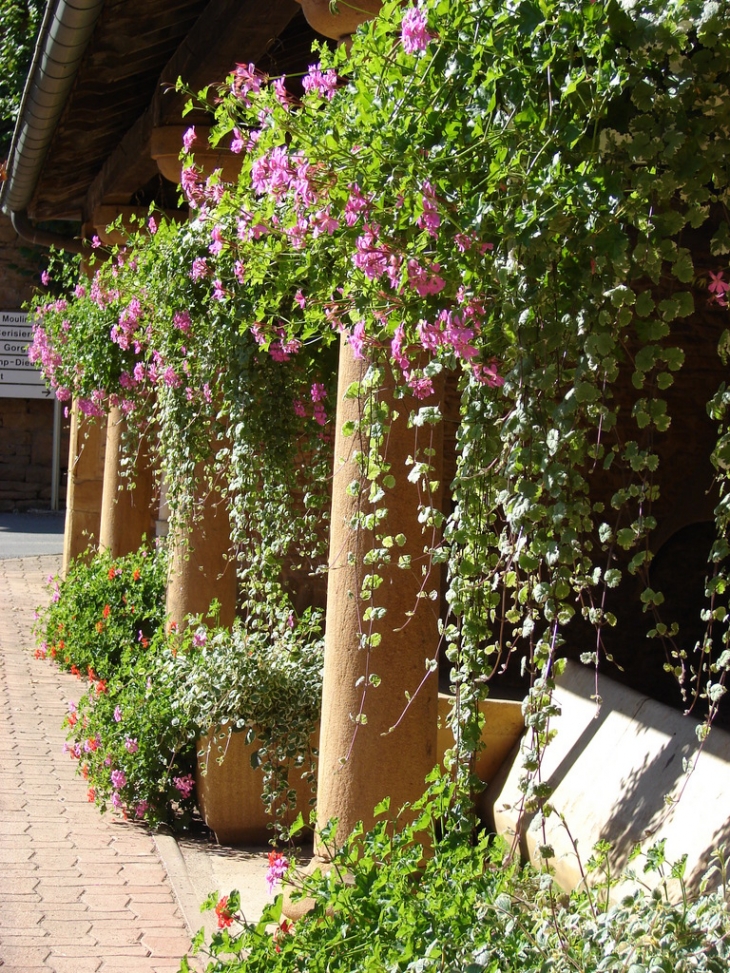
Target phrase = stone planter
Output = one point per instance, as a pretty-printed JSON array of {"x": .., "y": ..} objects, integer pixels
[
  {"x": 229, "y": 793},
  {"x": 503, "y": 727}
]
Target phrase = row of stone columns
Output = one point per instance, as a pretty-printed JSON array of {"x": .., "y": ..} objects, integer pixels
[
  {"x": 362, "y": 759},
  {"x": 378, "y": 735}
]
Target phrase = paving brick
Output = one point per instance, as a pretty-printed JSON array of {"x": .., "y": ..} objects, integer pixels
[
  {"x": 65, "y": 927},
  {"x": 105, "y": 902},
  {"x": 74, "y": 964},
  {"x": 40, "y": 790},
  {"x": 36, "y": 936},
  {"x": 25, "y": 969},
  {"x": 150, "y": 912},
  {"x": 9, "y": 803},
  {"x": 119, "y": 964},
  {"x": 21, "y": 887},
  {"x": 20, "y": 871},
  {"x": 10, "y": 855},
  {"x": 101, "y": 869},
  {"x": 23, "y": 956},
  {"x": 120, "y": 921},
  {"x": 58, "y": 893},
  {"x": 22, "y": 840},
  {"x": 133, "y": 950},
  {"x": 51, "y": 858},
  {"x": 166, "y": 945},
  {"x": 145, "y": 894},
  {"x": 19, "y": 916},
  {"x": 9, "y": 764},
  {"x": 135, "y": 874},
  {"x": 64, "y": 910},
  {"x": 47, "y": 842},
  {"x": 54, "y": 831}
]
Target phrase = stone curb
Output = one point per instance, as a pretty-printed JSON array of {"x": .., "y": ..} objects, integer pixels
[{"x": 177, "y": 872}]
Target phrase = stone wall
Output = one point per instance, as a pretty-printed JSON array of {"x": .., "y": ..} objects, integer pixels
[
  {"x": 26, "y": 449},
  {"x": 26, "y": 425}
]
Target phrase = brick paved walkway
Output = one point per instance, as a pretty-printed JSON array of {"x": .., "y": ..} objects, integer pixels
[{"x": 78, "y": 891}]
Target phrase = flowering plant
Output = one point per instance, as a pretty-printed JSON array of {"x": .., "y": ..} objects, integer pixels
[
  {"x": 151, "y": 692},
  {"x": 468, "y": 905},
  {"x": 105, "y": 624},
  {"x": 135, "y": 752},
  {"x": 527, "y": 196},
  {"x": 101, "y": 608}
]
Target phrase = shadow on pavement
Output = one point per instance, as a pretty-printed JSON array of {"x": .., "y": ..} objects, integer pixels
[{"x": 30, "y": 534}]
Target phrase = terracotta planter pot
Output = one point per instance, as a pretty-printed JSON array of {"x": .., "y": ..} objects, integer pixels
[{"x": 229, "y": 793}]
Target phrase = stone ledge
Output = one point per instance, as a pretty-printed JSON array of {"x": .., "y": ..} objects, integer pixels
[{"x": 617, "y": 775}]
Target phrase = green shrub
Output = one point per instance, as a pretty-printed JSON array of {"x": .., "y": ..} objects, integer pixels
[
  {"x": 134, "y": 750},
  {"x": 103, "y": 608},
  {"x": 464, "y": 906}
]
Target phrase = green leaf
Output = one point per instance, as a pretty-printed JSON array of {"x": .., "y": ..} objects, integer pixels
[
  {"x": 720, "y": 243},
  {"x": 683, "y": 267},
  {"x": 644, "y": 304}
]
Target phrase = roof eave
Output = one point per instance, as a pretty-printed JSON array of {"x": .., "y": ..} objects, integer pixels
[{"x": 64, "y": 35}]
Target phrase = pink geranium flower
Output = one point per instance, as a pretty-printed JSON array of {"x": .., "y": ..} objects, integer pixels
[{"x": 414, "y": 31}]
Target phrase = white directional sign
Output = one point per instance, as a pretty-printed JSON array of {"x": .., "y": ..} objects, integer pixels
[{"x": 19, "y": 378}]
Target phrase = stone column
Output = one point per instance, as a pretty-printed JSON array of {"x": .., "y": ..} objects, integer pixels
[
  {"x": 360, "y": 763},
  {"x": 127, "y": 501},
  {"x": 202, "y": 562},
  {"x": 85, "y": 477}
]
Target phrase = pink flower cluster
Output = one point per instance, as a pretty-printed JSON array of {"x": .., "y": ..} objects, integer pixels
[
  {"x": 276, "y": 172},
  {"x": 371, "y": 256},
  {"x": 247, "y": 80},
  {"x": 280, "y": 347},
  {"x": 41, "y": 351},
  {"x": 323, "y": 84},
  {"x": 278, "y": 867},
  {"x": 93, "y": 406},
  {"x": 414, "y": 31},
  {"x": 430, "y": 219},
  {"x": 124, "y": 332},
  {"x": 356, "y": 205},
  {"x": 185, "y": 785},
  {"x": 317, "y": 393},
  {"x": 718, "y": 287}
]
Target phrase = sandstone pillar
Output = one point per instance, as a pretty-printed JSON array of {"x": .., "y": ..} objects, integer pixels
[
  {"x": 85, "y": 477},
  {"x": 202, "y": 562},
  {"x": 126, "y": 506},
  {"x": 361, "y": 762}
]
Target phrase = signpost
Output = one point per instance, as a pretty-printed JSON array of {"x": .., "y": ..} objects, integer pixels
[{"x": 20, "y": 379}]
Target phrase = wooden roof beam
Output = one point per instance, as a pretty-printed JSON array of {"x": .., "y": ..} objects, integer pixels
[{"x": 227, "y": 32}]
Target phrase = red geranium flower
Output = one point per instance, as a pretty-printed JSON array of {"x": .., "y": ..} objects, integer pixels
[{"x": 225, "y": 916}]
